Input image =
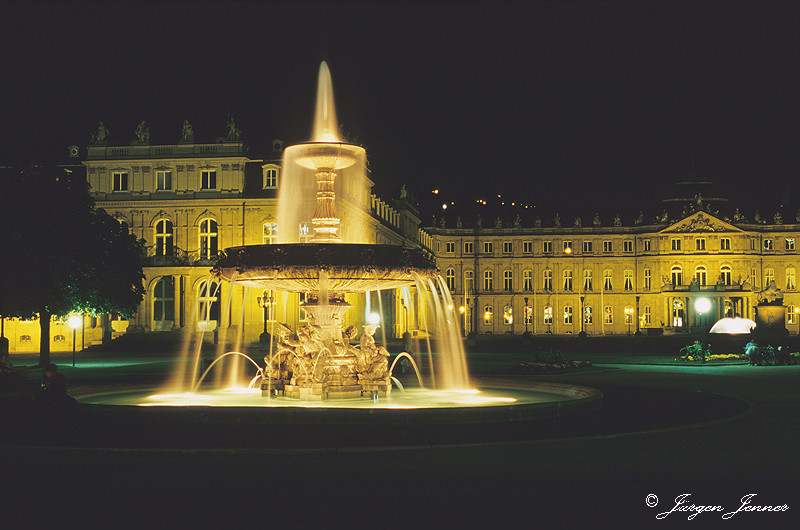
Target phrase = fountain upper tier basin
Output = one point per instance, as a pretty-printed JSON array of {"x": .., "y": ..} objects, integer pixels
[
  {"x": 346, "y": 267},
  {"x": 325, "y": 155}
]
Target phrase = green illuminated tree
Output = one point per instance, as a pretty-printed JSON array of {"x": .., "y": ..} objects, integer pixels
[{"x": 60, "y": 254}]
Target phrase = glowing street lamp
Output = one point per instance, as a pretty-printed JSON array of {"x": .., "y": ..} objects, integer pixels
[
  {"x": 74, "y": 322},
  {"x": 702, "y": 305}
]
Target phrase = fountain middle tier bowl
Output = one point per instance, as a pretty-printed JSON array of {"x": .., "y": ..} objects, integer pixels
[{"x": 337, "y": 267}]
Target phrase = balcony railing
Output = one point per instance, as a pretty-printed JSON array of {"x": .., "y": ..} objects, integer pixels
[
  {"x": 177, "y": 257},
  {"x": 100, "y": 152}
]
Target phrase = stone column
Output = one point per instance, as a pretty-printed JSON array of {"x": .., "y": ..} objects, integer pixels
[{"x": 178, "y": 302}]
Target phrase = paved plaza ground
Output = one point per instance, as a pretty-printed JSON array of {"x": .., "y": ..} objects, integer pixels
[{"x": 604, "y": 472}]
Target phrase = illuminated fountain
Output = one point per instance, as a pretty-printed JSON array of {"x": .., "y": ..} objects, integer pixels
[{"x": 316, "y": 364}]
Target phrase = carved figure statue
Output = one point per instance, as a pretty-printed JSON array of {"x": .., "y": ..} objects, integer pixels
[
  {"x": 771, "y": 295},
  {"x": 187, "y": 132},
  {"x": 142, "y": 133},
  {"x": 479, "y": 222},
  {"x": 459, "y": 224},
  {"x": 737, "y": 216},
  {"x": 100, "y": 137},
  {"x": 557, "y": 221},
  {"x": 617, "y": 220},
  {"x": 234, "y": 134},
  {"x": 517, "y": 221},
  {"x": 403, "y": 191},
  {"x": 640, "y": 219},
  {"x": 578, "y": 222},
  {"x": 778, "y": 218},
  {"x": 538, "y": 222},
  {"x": 498, "y": 223},
  {"x": 373, "y": 360},
  {"x": 596, "y": 220}
]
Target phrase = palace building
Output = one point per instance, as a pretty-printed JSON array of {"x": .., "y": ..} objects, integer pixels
[{"x": 187, "y": 201}]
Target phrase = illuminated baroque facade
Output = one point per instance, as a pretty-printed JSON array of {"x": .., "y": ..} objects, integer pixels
[{"x": 616, "y": 279}]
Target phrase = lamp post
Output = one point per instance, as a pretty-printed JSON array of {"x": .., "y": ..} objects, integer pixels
[
  {"x": 74, "y": 322},
  {"x": 264, "y": 302}
]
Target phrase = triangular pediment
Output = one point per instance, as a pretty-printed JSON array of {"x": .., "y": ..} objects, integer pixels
[{"x": 700, "y": 222}]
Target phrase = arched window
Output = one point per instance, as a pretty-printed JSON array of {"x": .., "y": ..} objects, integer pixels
[
  {"x": 567, "y": 314},
  {"x": 208, "y": 307},
  {"x": 508, "y": 315},
  {"x": 677, "y": 276},
  {"x": 469, "y": 281},
  {"x": 508, "y": 281},
  {"x": 163, "y": 237},
  {"x": 725, "y": 275},
  {"x": 487, "y": 280},
  {"x": 163, "y": 303},
  {"x": 450, "y": 277},
  {"x": 700, "y": 275},
  {"x": 270, "y": 233},
  {"x": 208, "y": 239},
  {"x": 527, "y": 280},
  {"x": 567, "y": 280},
  {"x": 587, "y": 279},
  {"x": 607, "y": 285},
  {"x": 548, "y": 315},
  {"x": 487, "y": 315},
  {"x": 270, "y": 176},
  {"x": 547, "y": 280},
  {"x": 628, "y": 278}
]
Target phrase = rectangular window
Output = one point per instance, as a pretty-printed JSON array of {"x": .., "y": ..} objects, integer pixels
[
  {"x": 791, "y": 316},
  {"x": 568, "y": 247},
  {"x": 676, "y": 244},
  {"x": 119, "y": 181},
  {"x": 468, "y": 247},
  {"x": 789, "y": 243},
  {"x": 488, "y": 281},
  {"x": 648, "y": 279},
  {"x": 607, "y": 280},
  {"x": 587, "y": 247},
  {"x": 725, "y": 243},
  {"x": 507, "y": 281},
  {"x": 627, "y": 246},
  {"x": 768, "y": 245},
  {"x": 753, "y": 245},
  {"x": 547, "y": 247},
  {"x": 208, "y": 179},
  {"x": 628, "y": 277},
  {"x": 769, "y": 277},
  {"x": 507, "y": 247},
  {"x": 790, "y": 283},
  {"x": 548, "y": 315},
  {"x": 527, "y": 247},
  {"x": 567, "y": 280},
  {"x": 608, "y": 315},
  {"x": 700, "y": 243},
  {"x": 587, "y": 314},
  {"x": 567, "y": 314},
  {"x": 646, "y": 245},
  {"x": 607, "y": 246},
  {"x": 469, "y": 281},
  {"x": 487, "y": 247},
  {"x": 527, "y": 280},
  {"x": 508, "y": 315},
  {"x": 487, "y": 315},
  {"x": 648, "y": 315},
  {"x": 587, "y": 279},
  {"x": 451, "y": 247},
  {"x": 163, "y": 180},
  {"x": 547, "y": 283},
  {"x": 528, "y": 315},
  {"x": 754, "y": 277}
]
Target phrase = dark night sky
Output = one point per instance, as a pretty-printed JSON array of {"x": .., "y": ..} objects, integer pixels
[{"x": 568, "y": 106}]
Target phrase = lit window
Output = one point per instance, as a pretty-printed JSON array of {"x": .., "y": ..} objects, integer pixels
[
  {"x": 164, "y": 299},
  {"x": 450, "y": 247},
  {"x": 528, "y": 314},
  {"x": 725, "y": 275},
  {"x": 487, "y": 281},
  {"x": 507, "y": 247},
  {"x": 487, "y": 247},
  {"x": 487, "y": 315},
  {"x": 547, "y": 283},
  {"x": 676, "y": 244},
  {"x": 587, "y": 314},
  {"x": 677, "y": 276},
  {"x": 628, "y": 280},
  {"x": 468, "y": 247},
  {"x": 305, "y": 233},
  {"x": 450, "y": 278},
  {"x": 587, "y": 247},
  {"x": 587, "y": 280},
  {"x": 567, "y": 314},
  {"x": 547, "y": 247},
  {"x": 567, "y": 280},
  {"x": 208, "y": 239},
  {"x": 270, "y": 177},
  {"x": 469, "y": 281},
  {"x": 648, "y": 279},
  {"x": 725, "y": 243},
  {"x": 700, "y": 243},
  {"x": 627, "y": 246},
  {"x": 769, "y": 277},
  {"x": 791, "y": 316},
  {"x": 163, "y": 180},
  {"x": 507, "y": 281},
  {"x": 163, "y": 237},
  {"x": 119, "y": 181},
  {"x": 548, "y": 315},
  {"x": 270, "y": 233},
  {"x": 608, "y": 315},
  {"x": 607, "y": 280},
  {"x": 568, "y": 247},
  {"x": 789, "y": 243},
  {"x": 527, "y": 247},
  {"x": 646, "y": 245},
  {"x": 527, "y": 280},
  {"x": 508, "y": 315},
  {"x": 790, "y": 283},
  {"x": 208, "y": 179},
  {"x": 768, "y": 245},
  {"x": 607, "y": 246}
]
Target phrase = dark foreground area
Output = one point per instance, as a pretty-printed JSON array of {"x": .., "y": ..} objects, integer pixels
[{"x": 716, "y": 433}]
